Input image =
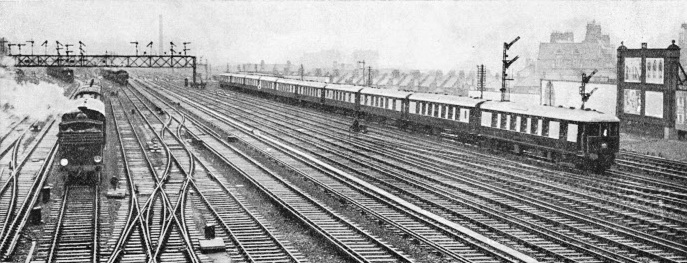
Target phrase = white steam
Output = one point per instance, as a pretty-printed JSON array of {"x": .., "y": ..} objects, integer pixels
[{"x": 22, "y": 100}]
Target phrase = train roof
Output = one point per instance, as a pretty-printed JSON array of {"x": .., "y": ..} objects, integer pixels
[
  {"x": 550, "y": 112},
  {"x": 88, "y": 103},
  {"x": 446, "y": 99},
  {"x": 343, "y": 87},
  {"x": 386, "y": 93},
  {"x": 86, "y": 89},
  {"x": 266, "y": 78},
  {"x": 302, "y": 83}
]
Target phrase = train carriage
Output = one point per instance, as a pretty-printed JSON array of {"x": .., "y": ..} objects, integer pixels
[
  {"x": 237, "y": 81},
  {"x": 286, "y": 88},
  {"x": 266, "y": 85},
  {"x": 342, "y": 96},
  {"x": 251, "y": 82},
  {"x": 311, "y": 91},
  {"x": 385, "y": 103},
  {"x": 583, "y": 137},
  {"x": 452, "y": 113}
]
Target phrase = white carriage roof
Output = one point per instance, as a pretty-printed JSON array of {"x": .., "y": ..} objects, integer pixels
[
  {"x": 267, "y": 78},
  {"x": 386, "y": 93},
  {"x": 88, "y": 103},
  {"x": 550, "y": 112},
  {"x": 302, "y": 83},
  {"x": 446, "y": 99},
  {"x": 347, "y": 88}
]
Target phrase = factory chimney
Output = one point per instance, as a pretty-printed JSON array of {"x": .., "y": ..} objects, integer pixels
[{"x": 160, "y": 40}]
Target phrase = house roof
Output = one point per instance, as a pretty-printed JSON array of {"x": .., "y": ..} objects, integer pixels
[
  {"x": 450, "y": 82},
  {"x": 428, "y": 81}
]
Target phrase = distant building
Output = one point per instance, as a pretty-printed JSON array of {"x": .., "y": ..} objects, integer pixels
[{"x": 565, "y": 59}]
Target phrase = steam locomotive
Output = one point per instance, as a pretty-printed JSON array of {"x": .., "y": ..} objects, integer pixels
[
  {"x": 82, "y": 134},
  {"x": 120, "y": 77},
  {"x": 586, "y": 138},
  {"x": 63, "y": 74}
]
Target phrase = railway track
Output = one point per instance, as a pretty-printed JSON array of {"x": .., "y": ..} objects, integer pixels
[
  {"x": 173, "y": 241},
  {"x": 641, "y": 190},
  {"x": 253, "y": 241},
  {"x": 656, "y": 166},
  {"x": 22, "y": 187},
  {"x": 76, "y": 236},
  {"x": 613, "y": 228},
  {"x": 133, "y": 244},
  {"x": 462, "y": 248}
]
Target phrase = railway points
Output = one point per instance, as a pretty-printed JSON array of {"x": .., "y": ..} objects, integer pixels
[{"x": 195, "y": 168}]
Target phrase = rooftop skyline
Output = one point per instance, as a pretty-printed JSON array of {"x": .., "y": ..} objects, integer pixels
[{"x": 422, "y": 35}]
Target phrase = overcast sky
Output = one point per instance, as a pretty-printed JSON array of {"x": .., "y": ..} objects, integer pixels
[{"x": 426, "y": 35}]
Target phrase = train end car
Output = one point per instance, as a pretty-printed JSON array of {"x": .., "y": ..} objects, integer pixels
[{"x": 585, "y": 138}]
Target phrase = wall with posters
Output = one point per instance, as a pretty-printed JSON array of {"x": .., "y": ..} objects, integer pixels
[{"x": 647, "y": 81}]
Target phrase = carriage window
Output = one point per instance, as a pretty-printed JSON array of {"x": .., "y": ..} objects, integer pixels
[
  {"x": 540, "y": 127},
  {"x": 486, "y": 119},
  {"x": 518, "y": 124},
  {"x": 445, "y": 115},
  {"x": 498, "y": 121},
  {"x": 605, "y": 130},
  {"x": 592, "y": 130},
  {"x": 413, "y": 107},
  {"x": 614, "y": 129},
  {"x": 391, "y": 104},
  {"x": 508, "y": 122},
  {"x": 464, "y": 115},
  {"x": 532, "y": 125},
  {"x": 453, "y": 113},
  {"x": 438, "y": 111},
  {"x": 554, "y": 129},
  {"x": 572, "y": 132}
]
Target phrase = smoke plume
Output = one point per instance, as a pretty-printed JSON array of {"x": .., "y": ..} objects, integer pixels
[{"x": 28, "y": 100}]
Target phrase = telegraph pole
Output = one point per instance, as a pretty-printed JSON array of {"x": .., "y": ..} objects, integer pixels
[
  {"x": 480, "y": 82},
  {"x": 506, "y": 63}
]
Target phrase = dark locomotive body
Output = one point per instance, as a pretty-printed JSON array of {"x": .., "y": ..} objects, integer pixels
[
  {"x": 588, "y": 139},
  {"x": 63, "y": 74},
  {"x": 82, "y": 135},
  {"x": 120, "y": 77}
]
